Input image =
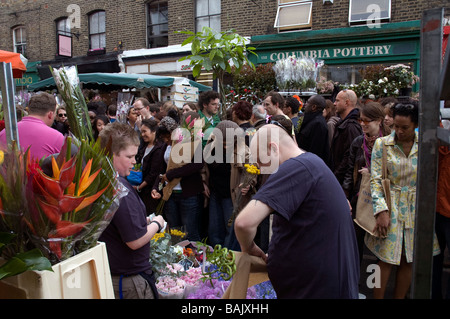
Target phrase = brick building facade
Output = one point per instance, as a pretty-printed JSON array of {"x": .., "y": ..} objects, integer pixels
[{"x": 126, "y": 22}]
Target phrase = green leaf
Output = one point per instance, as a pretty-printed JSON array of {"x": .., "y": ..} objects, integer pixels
[
  {"x": 188, "y": 40},
  {"x": 196, "y": 70},
  {"x": 30, "y": 260},
  {"x": 207, "y": 64}
]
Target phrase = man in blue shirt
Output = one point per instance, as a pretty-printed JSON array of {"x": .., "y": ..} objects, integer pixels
[{"x": 313, "y": 251}]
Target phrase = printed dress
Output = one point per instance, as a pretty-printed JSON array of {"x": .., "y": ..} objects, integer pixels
[{"x": 402, "y": 173}]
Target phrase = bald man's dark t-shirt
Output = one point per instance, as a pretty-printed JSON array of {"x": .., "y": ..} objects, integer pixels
[{"x": 313, "y": 251}]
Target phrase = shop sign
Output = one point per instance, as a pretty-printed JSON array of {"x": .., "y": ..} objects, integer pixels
[
  {"x": 27, "y": 79},
  {"x": 342, "y": 52}
]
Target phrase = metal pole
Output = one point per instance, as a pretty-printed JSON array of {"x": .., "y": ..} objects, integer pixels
[
  {"x": 430, "y": 61},
  {"x": 9, "y": 107}
]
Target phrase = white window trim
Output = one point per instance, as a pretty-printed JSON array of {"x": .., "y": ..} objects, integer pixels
[
  {"x": 356, "y": 22},
  {"x": 99, "y": 34},
  {"x": 291, "y": 4},
  {"x": 209, "y": 15},
  {"x": 15, "y": 43}
]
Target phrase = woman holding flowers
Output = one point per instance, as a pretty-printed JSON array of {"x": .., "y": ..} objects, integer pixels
[{"x": 128, "y": 235}]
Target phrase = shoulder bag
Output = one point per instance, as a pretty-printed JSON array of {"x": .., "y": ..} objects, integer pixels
[{"x": 364, "y": 207}]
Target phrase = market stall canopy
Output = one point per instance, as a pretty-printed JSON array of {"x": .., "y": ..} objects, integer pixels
[
  {"x": 17, "y": 60},
  {"x": 129, "y": 80}
]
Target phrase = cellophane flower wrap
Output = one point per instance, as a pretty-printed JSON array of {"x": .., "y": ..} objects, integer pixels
[
  {"x": 186, "y": 144},
  {"x": 72, "y": 198},
  {"x": 68, "y": 84},
  {"x": 295, "y": 74},
  {"x": 56, "y": 207}
]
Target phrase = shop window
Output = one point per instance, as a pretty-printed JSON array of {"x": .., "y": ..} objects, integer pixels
[
  {"x": 20, "y": 40},
  {"x": 63, "y": 37},
  {"x": 293, "y": 15},
  {"x": 97, "y": 30},
  {"x": 369, "y": 12},
  {"x": 157, "y": 24},
  {"x": 207, "y": 14}
]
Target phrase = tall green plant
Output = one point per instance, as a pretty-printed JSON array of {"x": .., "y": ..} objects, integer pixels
[{"x": 217, "y": 52}]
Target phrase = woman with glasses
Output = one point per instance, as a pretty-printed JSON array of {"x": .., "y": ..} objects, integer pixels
[
  {"x": 394, "y": 246},
  {"x": 61, "y": 124},
  {"x": 371, "y": 119}
]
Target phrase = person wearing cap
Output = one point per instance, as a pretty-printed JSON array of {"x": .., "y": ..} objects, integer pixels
[{"x": 313, "y": 252}]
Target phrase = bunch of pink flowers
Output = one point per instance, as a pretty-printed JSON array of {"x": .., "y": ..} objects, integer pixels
[{"x": 170, "y": 287}]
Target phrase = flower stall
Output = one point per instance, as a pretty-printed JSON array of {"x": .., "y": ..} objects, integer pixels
[
  {"x": 297, "y": 75},
  {"x": 188, "y": 270},
  {"x": 396, "y": 80},
  {"x": 53, "y": 210}
]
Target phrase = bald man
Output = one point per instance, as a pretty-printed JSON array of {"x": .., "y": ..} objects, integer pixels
[
  {"x": 346, "y": 130},
  {"x": 313, "y": 251}
]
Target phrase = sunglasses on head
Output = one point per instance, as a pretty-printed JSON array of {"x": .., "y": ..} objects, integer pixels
[
  {"x": 280, "y": 125},
  {"x": 404, "y": 106}
]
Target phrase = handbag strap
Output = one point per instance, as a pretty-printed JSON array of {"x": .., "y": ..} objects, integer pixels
[{"x": 384, "y": 163}]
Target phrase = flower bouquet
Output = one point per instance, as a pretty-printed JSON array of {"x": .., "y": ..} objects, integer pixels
[
  {"x": 59, "y": 205},
  {"x": 294, "y": 74},
  {"x": 186, "y": 144},
  {"x": 170, "y": 287}
]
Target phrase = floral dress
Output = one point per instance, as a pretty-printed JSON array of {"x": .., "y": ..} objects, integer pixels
[{"x": 402, "y": 173}]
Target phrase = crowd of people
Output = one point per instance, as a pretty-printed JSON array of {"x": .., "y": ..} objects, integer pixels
[{"x": 301, "y": 207}]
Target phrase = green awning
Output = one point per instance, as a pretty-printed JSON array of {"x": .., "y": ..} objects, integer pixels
[{"x": 138, "y": 81}]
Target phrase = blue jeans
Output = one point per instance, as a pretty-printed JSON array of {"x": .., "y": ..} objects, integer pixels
[
  {"x": 220, "y": 210},
  {"x": 442, "y": 228},
  {"x": 185, "y": 212}
]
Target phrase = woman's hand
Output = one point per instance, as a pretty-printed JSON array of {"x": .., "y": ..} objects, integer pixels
[
  {"x": 383, "y": 221},
  {"x": 155, "y": 194},
  {"x": 364, "y": 170},
  {"x": 206, "y": 190},
  {"x": 245, "y": 189}
]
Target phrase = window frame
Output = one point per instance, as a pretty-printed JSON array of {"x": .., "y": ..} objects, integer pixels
[
  {"x": 364, "y": 22},
  {"x": 23, "y": 42},
  {"x": 151, "y": 25},
  {"x": 67, "y": 33},
  {"x": 196, "y": 16},
  {"x": 91, "y": 34},
  {"x": 293, "y": 27}
]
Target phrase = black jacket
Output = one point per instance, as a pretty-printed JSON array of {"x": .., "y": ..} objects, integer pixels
[
  {"x": 152, "y": 165},
  {"x": 345, "y": 132},
  {"x": 352, "y": 179},
  {"x": 313, "y": 136}
]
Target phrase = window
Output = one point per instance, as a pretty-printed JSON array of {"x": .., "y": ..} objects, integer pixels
[
  {"x": 365, "y": 12},
  {"x": 63, "y": 37},
  {"x": 157, "y": 24},
  {"x": 207, "y": 14},
  {"x": 20, "y": 40},
  {"x": 97, "y": 30},
  {"x": 293, "y": 15},
  {"x": 63, "y": 27}
]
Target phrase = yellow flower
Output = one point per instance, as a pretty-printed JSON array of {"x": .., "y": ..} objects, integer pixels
[
  {"x": 2, "y": 157},
  {"x": 252, "y": 169}
]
